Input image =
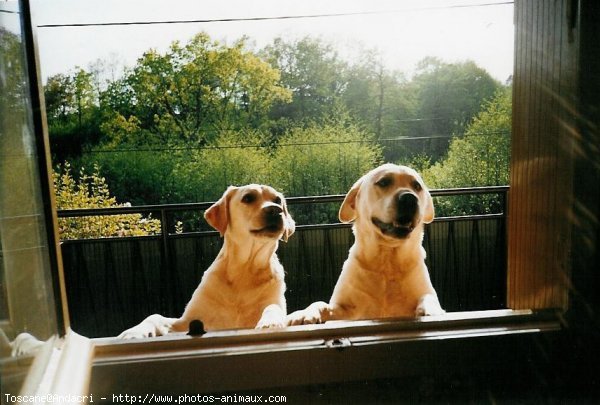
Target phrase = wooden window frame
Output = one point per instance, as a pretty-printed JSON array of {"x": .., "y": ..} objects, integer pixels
[{"x": 346, "y": 351}]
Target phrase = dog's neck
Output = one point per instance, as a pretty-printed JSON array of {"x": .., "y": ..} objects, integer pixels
[
  {"x": 254, "y": 254},
  {"x": 379, "y": 254}
]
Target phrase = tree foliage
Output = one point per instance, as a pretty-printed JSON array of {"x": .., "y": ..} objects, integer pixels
[
  {"x": 447, "y": 97},
  {"x": 323, "y": 158},
  {"x": 314, "y": 74},
  {"x": 313, "y": 160},
  {"x": 140, "y": 176},
  {"x": 191, "y": 93},
  {"x": 183, "y": 124},
  {"x": 73, "y": 112},
  {"x": 232, "y": 158},
  {"x": 379, "y": 97},
  {"x": 479, "y": 158}
]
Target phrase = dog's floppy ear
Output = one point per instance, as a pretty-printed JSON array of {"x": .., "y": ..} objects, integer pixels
[
  {"x": 217, "y": 215},
  {"x": 348, "y": 209},
  {"x": 429, "y": 213},
  {"x": 289, "y": 225}
]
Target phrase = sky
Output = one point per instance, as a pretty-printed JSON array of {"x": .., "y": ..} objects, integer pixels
[{"x": 403, "y": 31}]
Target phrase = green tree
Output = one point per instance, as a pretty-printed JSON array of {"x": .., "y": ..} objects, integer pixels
[
  {"x": 448, "y": 96},
  {"x": 192, "y": 92},
  {"x": 170, "y": 129},
  {"x": 91, "y": 191},
  {"x": 378, "y": 97},
  {"x": 73, "y": 113},
  {"x": 480, "y": 158},
  {"x": 313, "y": 72},
  {"x": 83, "y": 94},
  {"x": 171, "y": 105},
  {"x": 59, "y": 97}
]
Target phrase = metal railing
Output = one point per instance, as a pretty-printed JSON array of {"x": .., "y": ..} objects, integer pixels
[
  {"x": 167, "y": 224},
  {"x": 113, "y": 283}
]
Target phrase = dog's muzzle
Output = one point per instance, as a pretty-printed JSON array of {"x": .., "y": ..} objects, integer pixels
[
  {"x": 272, "y": 219},
  {"x": 405, "y": 221}
]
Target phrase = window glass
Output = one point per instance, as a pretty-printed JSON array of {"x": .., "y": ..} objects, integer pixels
[
  {"x": 150, "y": 103},
  {"x": 26, "y": 295}
]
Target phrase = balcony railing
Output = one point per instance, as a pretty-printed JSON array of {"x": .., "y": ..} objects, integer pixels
[{"x": 113, "y": 283}]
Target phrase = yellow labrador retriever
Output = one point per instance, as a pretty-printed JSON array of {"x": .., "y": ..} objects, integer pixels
[
  {"x": 244, "y": 287},
  {"x": 385, "y": 274}
]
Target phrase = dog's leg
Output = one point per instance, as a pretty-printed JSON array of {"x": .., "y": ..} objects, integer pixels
[
  {"x": 272, "y": 317},
  {"x": 429, "y": 305},
  {"x": 154, "y": 325}
]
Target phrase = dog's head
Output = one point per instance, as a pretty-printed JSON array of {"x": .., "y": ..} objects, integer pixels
[
  {"x": 251, "y": 211},
  {"x": 391, "y": 200}
]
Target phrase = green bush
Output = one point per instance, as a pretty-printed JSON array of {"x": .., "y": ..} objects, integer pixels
[
  {"x": 233, "y": 158},
  {"x": 320, "y": 160},
  {"x": 91, "y": 191},
  {"x": 139, "y": 176},
  {"x": 480, "y": 158}
]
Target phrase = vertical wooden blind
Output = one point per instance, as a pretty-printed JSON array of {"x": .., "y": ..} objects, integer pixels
[{"x": 545, "y": 86}]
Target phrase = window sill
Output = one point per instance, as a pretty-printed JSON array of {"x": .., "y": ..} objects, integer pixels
[{"x": 332, "y": 352}]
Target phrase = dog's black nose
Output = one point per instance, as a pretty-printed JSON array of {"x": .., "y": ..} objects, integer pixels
[
  {"x": 407, "y": 200},
  {"x": 273, "y": 210},
  {"x": 272, "y": 214},
  {"x": 407, "y": 207}
]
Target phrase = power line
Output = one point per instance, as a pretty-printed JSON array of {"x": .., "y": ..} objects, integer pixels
[
  {"x": 248, "y": 146},
  {"x": 423, "y": 119},
  {"x": 286, "y": 17},
  {"x": 415, "y": 138},
  {"x": 219, "y": 147}
]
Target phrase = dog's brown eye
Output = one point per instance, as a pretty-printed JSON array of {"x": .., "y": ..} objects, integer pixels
[
  {"x": 417, "y": 186},
  {"x": 383, "y": 182},
  {"x": 248, "y": 198},
  {"x": 277, "y": 200}
]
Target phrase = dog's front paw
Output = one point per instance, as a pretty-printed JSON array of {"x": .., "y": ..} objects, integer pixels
[
  {"x": 154, "y": 325},
  {"x": 303, "y": 317},
  {"x": 25, "y": 344},
  {"x": 429, "y": 305},
  {"x": 272, "y": 317},
  {"x": 267, "y": 322},
  {"x": 311, "y": 315}
]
